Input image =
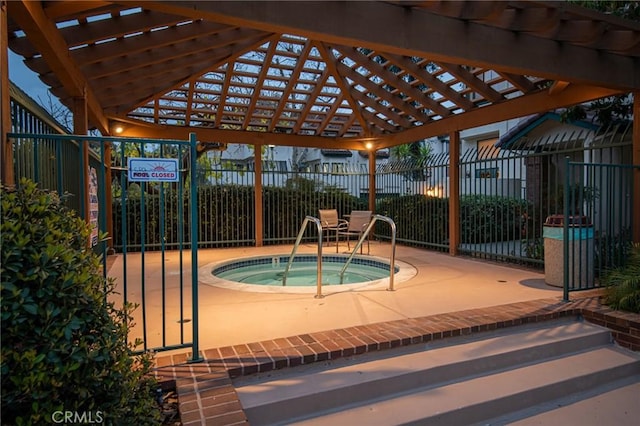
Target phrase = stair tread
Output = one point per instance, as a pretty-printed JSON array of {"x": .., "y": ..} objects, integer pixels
[
  {"x": 295, "y": 384},
  {"x": 407, "y": 408},
  {"x": 615, "y": 403}
]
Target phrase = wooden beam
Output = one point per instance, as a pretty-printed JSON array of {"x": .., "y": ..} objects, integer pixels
[
  {"x": 471, "y": 81},
  {"x": 393, "y": 80},
  {"x": 295, "y": 75},
  {"x": 262, "y": 76},
  {"x": 108, "y": 196},
  {"x": 60, "y": 9},
  {"x": 45, "y": 37},
  {"x": 132, "y": 46},
  {"x": 6, "y": 145},
  {"x": 557, "y": 87},
  {"x": 257, "y": 197},
  {"x": 138, "y": 129},
  {"x": 332, "y": 65},
  {"x": 454, "y": 192},
  {"x": 81, "y": 127},
  {"x": 429, "y": 80},
  {"x": 514, "y": 108},
  {"x": 458, "y": 41},
  {"x": 372, "y": 179}
]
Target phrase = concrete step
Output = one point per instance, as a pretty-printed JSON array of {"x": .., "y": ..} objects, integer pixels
[
  {"x": 614, "y": 403},
  {"x": 472, "y": 380}
]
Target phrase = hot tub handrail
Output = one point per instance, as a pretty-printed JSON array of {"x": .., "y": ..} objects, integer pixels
[
  {"x": 295, "y": 248},
  {"x": 365, "y": 234}
]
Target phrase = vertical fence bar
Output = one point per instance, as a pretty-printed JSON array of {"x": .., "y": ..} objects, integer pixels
[
  {"x": 163, "y": 257},
  {"x": 180, "y": 213},
  {"x": 195, "y": 352},
  {"x": 102, "y": 207},
  {"x": 565, "y": 232}
]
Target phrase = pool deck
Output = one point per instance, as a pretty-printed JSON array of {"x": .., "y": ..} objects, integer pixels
[{"x": 245, "y": 332}]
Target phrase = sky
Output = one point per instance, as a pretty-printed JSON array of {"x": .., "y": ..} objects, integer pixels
[{"x": 27, "y": 80}]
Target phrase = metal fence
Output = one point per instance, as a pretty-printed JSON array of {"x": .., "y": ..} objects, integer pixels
[
  {"x": 594, "y": 233},
  {"x": 505, "y": 197},
  {"x": 56, "y": 166},
  {"x": 145, "y": 213}
]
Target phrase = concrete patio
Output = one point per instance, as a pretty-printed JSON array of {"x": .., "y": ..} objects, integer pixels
[
  {"x": 441, "y": 284},
  {"x": 242, "y": 332}
]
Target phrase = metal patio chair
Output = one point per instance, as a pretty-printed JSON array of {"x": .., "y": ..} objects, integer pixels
[
  {"x": 332, "y": 223},
  {"x": 358, "y": 222}
]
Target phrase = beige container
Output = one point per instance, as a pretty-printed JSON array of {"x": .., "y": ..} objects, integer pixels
[{"x": 580, "y": 254}]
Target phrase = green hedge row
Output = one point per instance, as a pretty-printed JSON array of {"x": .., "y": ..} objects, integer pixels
[
  {"x": 226, "y": 216},
  {"x": 483, "y": 219}
]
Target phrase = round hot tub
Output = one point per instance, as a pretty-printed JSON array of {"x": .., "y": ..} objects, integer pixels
[{"x": 266, "y": 273}]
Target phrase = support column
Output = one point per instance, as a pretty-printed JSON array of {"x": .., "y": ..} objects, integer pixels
[
  {"x": 259, "y": 219},
  {"x": 81, "y": 127},
  {"x": 372, "y": 181},
  {"x": 636, "y": 171},
  {"x": 6, "y": 146},
  {"x": 454, "y": 193},
  {"x": 108, "y": 195}
]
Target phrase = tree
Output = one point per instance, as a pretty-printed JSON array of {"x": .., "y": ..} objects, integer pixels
[{"x": 620, "y": 107}]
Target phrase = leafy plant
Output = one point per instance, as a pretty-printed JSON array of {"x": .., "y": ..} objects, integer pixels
[
  {"x": 623, "y": 284},
  {"x": 64, "y": 343},
  {"x": 487, "y": 219},
  {"x": 533, "y": 248}
]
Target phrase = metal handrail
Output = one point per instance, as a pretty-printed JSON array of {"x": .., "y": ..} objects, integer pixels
[
  {"x": 392, "y": 259},
  {"x": 295, "y": 248}
]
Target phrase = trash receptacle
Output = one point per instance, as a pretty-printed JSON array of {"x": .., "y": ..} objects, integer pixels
[{"x": 580, "y": 261}]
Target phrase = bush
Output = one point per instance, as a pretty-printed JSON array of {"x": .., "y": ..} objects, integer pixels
[
  {"x": 486, "y": 219},
  {"x": 64, "y": 347},
  {"x": 483, "y": 219},
  {"x": 623, "y": 284},
  {"x": 226, "y": 214},
  {"x": 418, "y": 218}
]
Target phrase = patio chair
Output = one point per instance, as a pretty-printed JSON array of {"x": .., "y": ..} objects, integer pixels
[
  {"x": 332, "y": 223},
  {"x": 358, "y": 222}
]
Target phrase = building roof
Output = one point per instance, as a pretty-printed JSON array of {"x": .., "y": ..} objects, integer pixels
[{"x": 527, "y": 125}]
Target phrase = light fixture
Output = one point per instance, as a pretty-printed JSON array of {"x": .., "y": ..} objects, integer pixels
[
  {"x": 368, "y": 145},
  {"x": 118, "y": 128}
]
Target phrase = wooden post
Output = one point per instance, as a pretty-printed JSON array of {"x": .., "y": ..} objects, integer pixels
[
  {"x": 6, "y": 146},
  {"x": 636, "y": 171},
  {"x": 454, "y": 193},
  {"x": 257, "y": 168},
  {"x": 108, "y": 195},
  {"x": 372, "y": 180},
  {"x": 81, "y": 127}
]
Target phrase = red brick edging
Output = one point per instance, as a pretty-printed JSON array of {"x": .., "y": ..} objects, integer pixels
[{"x": 207, "y": 396}]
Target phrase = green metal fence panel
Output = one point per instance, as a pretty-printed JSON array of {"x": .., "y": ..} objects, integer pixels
[
  {"x": 596, "y": 222},
  {"x": 414, "y": 194},
  {"x": 144, "y": 214},
  {"x": 507, "y": 194}
]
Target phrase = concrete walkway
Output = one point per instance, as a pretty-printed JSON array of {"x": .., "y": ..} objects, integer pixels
[{"x": 439, "y": 283}]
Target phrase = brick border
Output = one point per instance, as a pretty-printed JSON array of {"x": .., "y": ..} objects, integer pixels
[{"x": 207, "y": 397}]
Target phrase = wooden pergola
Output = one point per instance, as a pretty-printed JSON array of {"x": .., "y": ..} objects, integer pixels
[{"x": 333, "y": 75}]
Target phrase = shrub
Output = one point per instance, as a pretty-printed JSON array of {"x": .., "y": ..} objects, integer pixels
[
  {"x": 623, "y": 284},
  {"x": 486, "y": 219},
  {"x": 64, "y": 344}
]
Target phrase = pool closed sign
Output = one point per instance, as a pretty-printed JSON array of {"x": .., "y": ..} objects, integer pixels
[{"x": 153, "y": 170}]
